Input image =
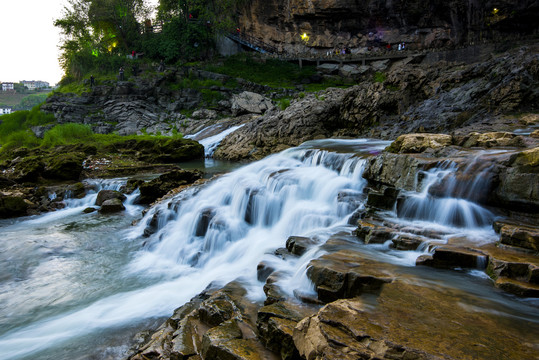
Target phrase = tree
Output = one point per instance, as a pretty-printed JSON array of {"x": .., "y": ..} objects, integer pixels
[{"x": 94, "y": 31}]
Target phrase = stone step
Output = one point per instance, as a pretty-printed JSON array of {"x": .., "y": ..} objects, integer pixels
[{"x": 516, "y": 287}]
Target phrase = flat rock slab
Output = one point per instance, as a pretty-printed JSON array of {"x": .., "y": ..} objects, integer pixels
[
  {"x": 410, "y": 321},
  {"x": 345, "y": 274}
]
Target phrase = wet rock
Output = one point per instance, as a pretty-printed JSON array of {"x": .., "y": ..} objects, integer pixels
[
  {"x": 217, "y": 309},
  {"x": 396, "y": 170},
  {"x": 518, "y": 183},
  {"x": 516, "y": 287},
  {"x": 450, "y": 257},
  {"x": 12, "y": 206},
  {"x": 263, "y": 270},
  {"x": 276, "y": 324},
  {"x": 298, "y": 245},
  {"x": 385, "y": 200},
  {"x": 105, "y": 195},
  {"x": 522, "y": 236},
  {"x": 89, "y": 210},
  {"x": 156, "y": 188},
  {"x": 418, "y": 143},
  {"x": 272, "y": 290},
  {"x": 493, "y": 139},
  {"x": 407, "y": 242},
  {"x": 444, "y": 323},
  {"x": 111, "y": 206},
  {"x": 372, "y": 232},
  {"x": 204, "y": 222},
  {"x": 238, "y": 349},
  {"x": 215, "y": 337},
  {"x": 346, "y": 274},
  {"x": 217, "y": 324}
]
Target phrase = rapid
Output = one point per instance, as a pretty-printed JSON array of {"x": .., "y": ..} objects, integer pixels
[{"x": 74, "y": 284}]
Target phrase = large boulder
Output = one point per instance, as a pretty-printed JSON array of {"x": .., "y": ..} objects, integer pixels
[
  {"x": 111, "y": 206},
  {"x": 249, "y": 102},
  {"x": 156, "y": 188},
  {"x": 64, "y": 166},
  {"x": 105, "y": 195},
  {"x": 493, "y": 139},
  {"x": 519, "y": 182},
  {"x": 12, "y": 206},
  {"x": 346, "y": 274}
]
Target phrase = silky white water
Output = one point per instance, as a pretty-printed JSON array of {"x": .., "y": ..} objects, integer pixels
[{"x": 69, "y": 280}]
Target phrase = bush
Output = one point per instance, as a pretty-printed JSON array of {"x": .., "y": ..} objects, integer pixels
[
  {"x": 283, "y": 103},
  {"x": 67, "y": 134},
  {"x": 11, "y": 123},
  {"x": 18, "y": 139},
  {"x": 379, "y": 77}
]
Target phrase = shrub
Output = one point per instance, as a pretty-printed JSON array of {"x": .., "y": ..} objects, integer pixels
[
  {"x": 379, "y": 77},
  {"x": 283, "y": 103},
  {"x": 18, "y": 139},
  {"x": 67, "y": 134}
]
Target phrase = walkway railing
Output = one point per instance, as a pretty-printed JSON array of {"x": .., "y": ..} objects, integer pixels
[{"x": 253, "y": 43}]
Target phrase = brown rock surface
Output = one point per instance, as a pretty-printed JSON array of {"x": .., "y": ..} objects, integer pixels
[
  {"x": 409, "y": 321},
  {"x": 346, "y": 274}
]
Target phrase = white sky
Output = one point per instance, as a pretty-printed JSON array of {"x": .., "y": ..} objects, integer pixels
[{"x": 29, "y": 41}]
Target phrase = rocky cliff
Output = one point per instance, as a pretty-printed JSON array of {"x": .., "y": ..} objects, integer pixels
[
  {"x": 482, "y": 97},
  {"x": 359, "y": 24}
]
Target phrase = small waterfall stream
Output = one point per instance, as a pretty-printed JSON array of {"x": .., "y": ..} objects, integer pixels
[{"x": 114, "y": 275}]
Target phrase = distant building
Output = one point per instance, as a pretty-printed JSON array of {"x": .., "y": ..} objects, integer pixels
[
  {"x": 5, "y": 110},
  {"x": 33, "y": 85},
  {"x": 8, "y": 86}
]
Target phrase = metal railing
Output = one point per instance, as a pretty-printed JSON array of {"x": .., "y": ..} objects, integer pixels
[{"x": 252, "y": 43}]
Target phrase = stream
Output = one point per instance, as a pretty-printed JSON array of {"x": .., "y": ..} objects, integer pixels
[{"x": 79, "y": 286}]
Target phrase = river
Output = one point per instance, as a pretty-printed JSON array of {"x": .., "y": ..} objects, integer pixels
[{"x": 79, "y": 286}]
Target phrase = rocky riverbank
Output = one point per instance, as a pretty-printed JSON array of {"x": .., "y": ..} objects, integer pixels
[
  {"x": 366, "y": 308},
  {"x": 471, "y": 127},
  {"x": 36, "y": 181}
]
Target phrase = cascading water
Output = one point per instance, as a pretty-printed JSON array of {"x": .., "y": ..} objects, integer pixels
[
  {"x": 210, "y": 143},
  {"x": 454, "y": 207},
  {"x": 78, "y": 287}
]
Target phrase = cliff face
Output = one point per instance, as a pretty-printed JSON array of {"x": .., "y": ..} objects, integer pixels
[{"x": 357, "y": 23}]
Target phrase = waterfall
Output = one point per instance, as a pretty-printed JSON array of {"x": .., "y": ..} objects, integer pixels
[
  {"x": 216, "y": 233},
  {"x": 455, "y": 192},
  {"x": 75, "y": 206},
  {"x": 213, "y": 234},
  {"x": 210, "y": 143},
  {"x": 292, "y": 193}
]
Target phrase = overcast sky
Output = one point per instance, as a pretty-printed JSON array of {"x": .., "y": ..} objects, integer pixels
[{"x": 29, "y": 41}]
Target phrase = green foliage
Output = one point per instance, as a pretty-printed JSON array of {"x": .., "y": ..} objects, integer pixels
[
  {"x": 179, "y": 40},
  {"x": 97, "y": 32},
  {"x": 283, "y": 103},
  {"x": 36, "y": 118},
  {"x": 66, "y": 134},
  {"x": 379, "y": 77},
  {"x": 11, "y": 123},
  {"x": 272, "y": 72},
  {"x": 19, "y": 139}
]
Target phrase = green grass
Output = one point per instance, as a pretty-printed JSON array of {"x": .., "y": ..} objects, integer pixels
[
  {"x": 15, "y": 133},
  {"x": 379, "y": 77},
  {"x": 283, "y": 103},
  {"x": 271, "y": 72}
]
